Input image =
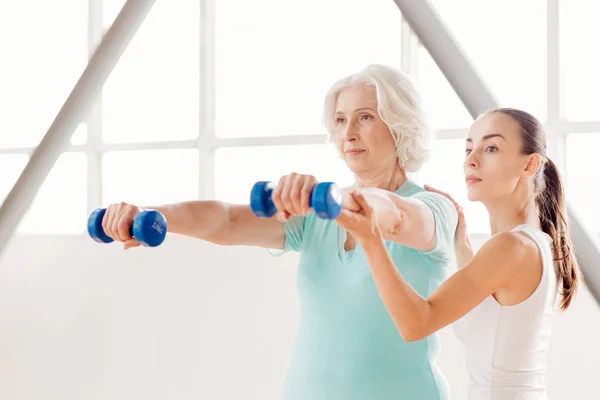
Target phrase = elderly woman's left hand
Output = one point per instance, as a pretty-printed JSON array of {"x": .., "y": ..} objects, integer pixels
[{"x": 360, "y": 220}]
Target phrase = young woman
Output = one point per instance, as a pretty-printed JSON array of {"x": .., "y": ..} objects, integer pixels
[{"x": 503, "y": 298}]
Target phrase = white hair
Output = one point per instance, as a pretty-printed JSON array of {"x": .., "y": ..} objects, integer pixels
[{"x": 399, "y": 106}]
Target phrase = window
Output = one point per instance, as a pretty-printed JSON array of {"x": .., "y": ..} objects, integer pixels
[
  {"x": 273, "y": 72},
  {"x": 150, "y": 177},
  {"x": 581, "y": 168},
  {"x": 507, "y": 48},
  {"x": 237, "y": 169},
  {"x": 153, "y": 92},
  {"x": 60, "y": 204},
  {"x": 44, "y": 53},
  {"x": 444, "y": 171},
  {"x": 579, "y": 29}
]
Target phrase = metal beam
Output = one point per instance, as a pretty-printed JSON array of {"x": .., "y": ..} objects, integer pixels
[
  {"x": 72, "y": 113},
  {"x": 477, "y": 98},
  {"x": 448, "y": 55}
]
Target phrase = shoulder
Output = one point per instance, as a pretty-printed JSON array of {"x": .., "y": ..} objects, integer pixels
[
  {"x": 432, "y": 198},
  {"x": 443, "y": 210},
  {"x": 510, "y": 248}
]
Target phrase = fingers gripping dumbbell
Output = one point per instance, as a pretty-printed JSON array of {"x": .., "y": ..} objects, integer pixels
[
  {"x": 325, "y": 199},
  {"x": 149, "y": 227}
]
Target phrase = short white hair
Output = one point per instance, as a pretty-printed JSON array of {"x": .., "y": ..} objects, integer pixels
[{"x": 399, "y": 106}]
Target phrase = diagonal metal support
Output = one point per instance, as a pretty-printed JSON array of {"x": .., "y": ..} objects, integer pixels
[
  {"x": 71, "y": 114},
  {"x": 477, "y": 98}
]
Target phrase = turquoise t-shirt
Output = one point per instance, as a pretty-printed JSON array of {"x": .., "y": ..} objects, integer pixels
[{"x": 347, "y": 346}]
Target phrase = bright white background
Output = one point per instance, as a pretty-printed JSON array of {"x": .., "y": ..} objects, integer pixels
[{"x": 178, "y": 121}]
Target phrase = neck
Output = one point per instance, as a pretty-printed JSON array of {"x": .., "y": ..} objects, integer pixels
[
  {"x": 387, "y": 179},
  {"x": 516, "y": 209}
]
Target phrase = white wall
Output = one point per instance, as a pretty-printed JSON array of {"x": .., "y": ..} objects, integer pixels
[{"x": 187, "y": 320}]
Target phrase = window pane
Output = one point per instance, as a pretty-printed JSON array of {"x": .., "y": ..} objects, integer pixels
[
  {"x": 581, "y": 151},
  {"x": 11, "y": 166},
  {"x": 508, "y": 49},
  {"x": 237, "y": 169},
  {"x": 276, "y": 60},
  {"x": 444, "y": 171},
  {"x": 443, "y": 106},
  {"x": 150, "y": 177},
  {"x": 60, "y": 205},
  {"x": 578, "y": 26},
  {"x": 153, "y": 92},
  {"x": 44, "y": 50}
]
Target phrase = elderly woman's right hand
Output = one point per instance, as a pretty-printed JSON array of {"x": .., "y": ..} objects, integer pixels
[
  {"x": 117, "y": 223},
  {"x": 293, "y": 192}
]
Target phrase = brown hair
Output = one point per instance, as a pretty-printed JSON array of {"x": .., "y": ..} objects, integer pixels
[{"x": 551, "y": 204}]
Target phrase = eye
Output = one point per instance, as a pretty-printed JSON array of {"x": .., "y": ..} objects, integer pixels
[
  {"x": 468, "y": 151},
  {"x": 491, "y": 149},
  {"x": 366, "y": 117},
  {"x": 339, "y": 120}
]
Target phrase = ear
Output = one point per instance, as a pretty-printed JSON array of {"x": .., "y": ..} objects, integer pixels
[{"x": 534, "y": 162}]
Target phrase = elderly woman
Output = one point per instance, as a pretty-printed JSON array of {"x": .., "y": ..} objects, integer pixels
[{"x": 347, "y": 346}]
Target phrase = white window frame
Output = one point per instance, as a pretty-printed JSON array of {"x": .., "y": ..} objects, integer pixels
[{"x": 207, "y": 142}]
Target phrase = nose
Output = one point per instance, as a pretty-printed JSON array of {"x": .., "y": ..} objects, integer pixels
[
  {"x": 351, "y": 131},
  {"x": 471, "y": 160}
]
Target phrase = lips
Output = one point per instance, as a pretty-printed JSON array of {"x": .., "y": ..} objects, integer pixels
[
  {"x": 472, "y": 179},
  {"x": 353, "y": 151}
]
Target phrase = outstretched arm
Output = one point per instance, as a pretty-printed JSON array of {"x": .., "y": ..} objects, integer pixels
[
  {"x": 497, "y": 264},
  {"x": 492, "y": 268},
  {"x": 214, "y": 221}
]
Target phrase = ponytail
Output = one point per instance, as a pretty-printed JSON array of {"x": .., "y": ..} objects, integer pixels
[{"x": 553, "y": 218}]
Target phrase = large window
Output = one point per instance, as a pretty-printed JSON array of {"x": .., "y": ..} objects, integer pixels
[{"x": 152, "y": 140}]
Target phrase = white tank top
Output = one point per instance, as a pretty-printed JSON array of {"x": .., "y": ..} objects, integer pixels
[{"x": 506, "y": 347}]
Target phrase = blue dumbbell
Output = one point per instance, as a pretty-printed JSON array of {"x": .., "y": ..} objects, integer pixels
[
  {"x": 149, "y": 227},
  {"x": 325, "y": 199}
]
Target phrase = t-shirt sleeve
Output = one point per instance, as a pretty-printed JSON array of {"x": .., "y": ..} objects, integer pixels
[
  {"x": 446, "y": 219},
  {"x": 294, "y": 233}
]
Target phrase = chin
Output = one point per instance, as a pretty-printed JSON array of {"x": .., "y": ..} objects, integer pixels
[
  {"x": 473, "y": 194},
  {"x": 357, "y": 167}
]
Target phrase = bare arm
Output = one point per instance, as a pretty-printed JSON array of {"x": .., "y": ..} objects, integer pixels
[
  {"x": 213, "y": 221},
  {"x": 501, "y": 260},
  {"x": 223, "y": 223},
  {"x": 403, "y": 220}
]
